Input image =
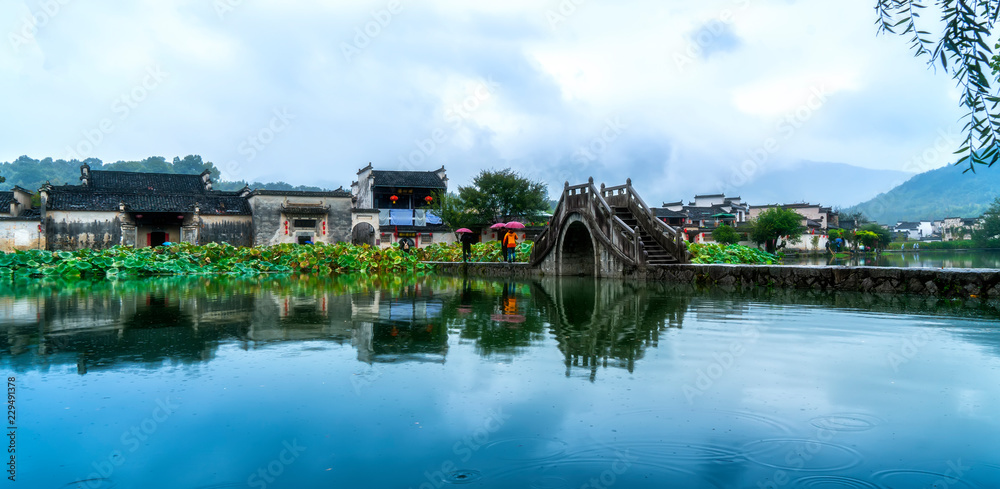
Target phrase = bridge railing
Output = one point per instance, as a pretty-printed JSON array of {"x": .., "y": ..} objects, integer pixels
[
  {"x": 610, "y": 230},
  {"x": 664, "y": 235}
]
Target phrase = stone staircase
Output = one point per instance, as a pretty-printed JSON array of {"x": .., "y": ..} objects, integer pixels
[{"x": 655, "y": 254}]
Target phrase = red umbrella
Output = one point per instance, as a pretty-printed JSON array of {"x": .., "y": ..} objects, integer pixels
[
  {"x": 514, "y": 225},
  {"x": 498, "y": 225},
  {"x": 464, "y": 230}
]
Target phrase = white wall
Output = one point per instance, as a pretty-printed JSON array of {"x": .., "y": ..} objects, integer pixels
[{"x": 20, "y": 235}]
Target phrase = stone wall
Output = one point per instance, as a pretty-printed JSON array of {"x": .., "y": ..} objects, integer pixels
[
  {"x": 958, "y": 283},
  {"x": 70, "y": 231},
  {"x": 487, "y": 270},
  {"x": 235, "y": 230},
  {"x": 923, "y": 281},
  {"x": 269, "y": 217}
]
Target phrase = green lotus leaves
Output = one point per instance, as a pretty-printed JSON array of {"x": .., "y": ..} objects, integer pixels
[{"x": 187, "y": 259}]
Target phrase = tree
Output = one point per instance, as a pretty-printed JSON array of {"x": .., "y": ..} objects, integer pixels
[
  {"x": 453, "y": 211},
  {"x": 882, "y": 236},
  {"x": 988, "y": 235},
  {"x": 500, "y": 196},
  {"x": 726, "y": 235},
  {"x": 771, "y": 225},
  {"x": 963, "y": 51}
]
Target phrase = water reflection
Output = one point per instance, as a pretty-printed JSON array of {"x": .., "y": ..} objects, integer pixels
[
  {"x": 516, "y": 384},
  {"x": 596, "y": 323}
]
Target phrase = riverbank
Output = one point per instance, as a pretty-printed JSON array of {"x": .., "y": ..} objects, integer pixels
[{"x": 959, "y": 283}]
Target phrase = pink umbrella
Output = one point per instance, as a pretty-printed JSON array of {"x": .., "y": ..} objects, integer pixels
[
  {"x": 514, "y": 225},
  {"x": 498, "y": 225},
  {"x": 464, "y": 230}
]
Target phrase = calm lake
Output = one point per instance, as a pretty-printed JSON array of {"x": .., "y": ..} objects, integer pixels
[
  {"x": 930, "y": 259},
  {"x": 356, "y": 382}
]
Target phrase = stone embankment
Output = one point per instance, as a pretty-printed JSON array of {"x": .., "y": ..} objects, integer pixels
[{"x": 983, "y": 283}]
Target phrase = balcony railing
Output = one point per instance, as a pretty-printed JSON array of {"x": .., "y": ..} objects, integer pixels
[{"x": 407, "y": 217}]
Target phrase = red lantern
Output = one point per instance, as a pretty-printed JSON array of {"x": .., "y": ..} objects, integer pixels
[
  {"x": 393, "y": 199},
  {"x": 324, "y": 228},
  {"x": 428, "y": 199},
  {"x": 286, "y": 227}
]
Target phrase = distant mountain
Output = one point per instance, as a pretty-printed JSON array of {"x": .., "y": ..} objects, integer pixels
[
  {"x": 936, "y": 194},
  {"x": 829, "y": 184}
]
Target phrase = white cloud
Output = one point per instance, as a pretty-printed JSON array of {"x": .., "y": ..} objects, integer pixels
[{"x": 747, "y": 65}]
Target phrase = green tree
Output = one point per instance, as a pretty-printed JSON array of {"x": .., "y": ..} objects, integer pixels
[
  {"x": 962, "y": 49},
  {"x": 988, "y": 235},
  {"x": 774, "y": 224},
  {"x": 882, "y": 236},
  {"x": 453, "y": 212},
  {"x": 725, "y": 234},
  {"x": 500, "y": 196}
]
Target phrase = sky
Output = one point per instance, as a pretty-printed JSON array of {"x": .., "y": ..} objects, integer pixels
[{"x": 682, "y": 97}]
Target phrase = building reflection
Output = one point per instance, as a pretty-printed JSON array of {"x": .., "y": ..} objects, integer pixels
[{"x": 185, "y": 320}]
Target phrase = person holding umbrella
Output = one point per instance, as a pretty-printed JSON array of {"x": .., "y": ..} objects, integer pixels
[
  {"x": 467, "y": 240},
  {"x": 510, "y": 240},
  {"x": 499, "y": 229}
]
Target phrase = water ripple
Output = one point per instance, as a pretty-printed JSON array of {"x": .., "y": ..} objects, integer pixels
[
  {"x": 526, "y": 449},
  {"x": 802, "y": 454},
  {"x": 662, "y": 450},
  {"x": 824, "y": 481},
  {"x": 462, "y": 476},
  {"x": 907, "y": 479},
  {"x": 847, "y": 422},
  {"x": 95, "y": 483},
  {"x": 600, "y": 470}
]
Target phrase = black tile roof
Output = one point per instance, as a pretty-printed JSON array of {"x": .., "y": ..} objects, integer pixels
[
  {"x": 5, "y": 199},
  {"x": 663, "y": 212},
  {"x": 340, "y": 192},
  {"x": 411, "y": 179},
  {"x": 151, "y": 182},
  {"x": 146, "y": 192}
]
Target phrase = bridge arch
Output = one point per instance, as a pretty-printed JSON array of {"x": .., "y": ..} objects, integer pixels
[{"x": 577, "y": 252}]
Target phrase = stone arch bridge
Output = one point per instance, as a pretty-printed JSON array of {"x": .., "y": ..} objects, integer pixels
[{"x": 606, "y": 232}]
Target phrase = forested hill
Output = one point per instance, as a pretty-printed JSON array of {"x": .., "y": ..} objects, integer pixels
[
  {"x": 31, "y": 174},
  {"x": 936, "y": 194}
]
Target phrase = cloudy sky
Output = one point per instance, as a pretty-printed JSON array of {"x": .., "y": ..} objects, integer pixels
[{"x": 681, "y": 96}]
